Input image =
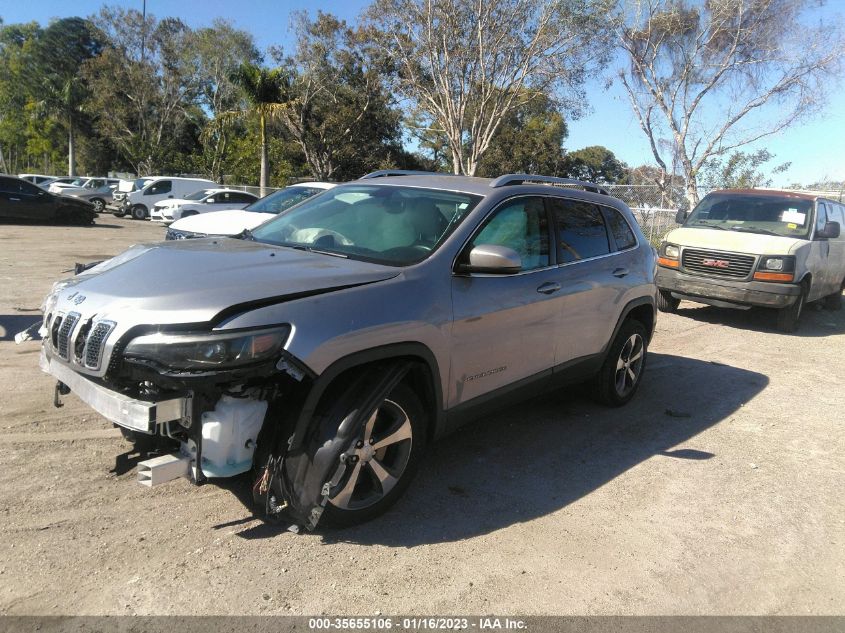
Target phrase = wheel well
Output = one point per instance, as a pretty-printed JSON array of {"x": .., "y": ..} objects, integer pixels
[
  {"x": 645, "y": 315},
  {"x": 419, "y": 379}
]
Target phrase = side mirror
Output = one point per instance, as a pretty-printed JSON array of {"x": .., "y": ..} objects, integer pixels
[
  {"x": 829, "y": 232},
  {"x": 680, "y": 216},
  {"x": 492, "y": 258}
]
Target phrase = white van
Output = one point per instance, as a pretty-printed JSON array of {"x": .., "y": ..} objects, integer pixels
[
  {"x": 138, "y": 203},
  {"x": 755, "y": 247}
]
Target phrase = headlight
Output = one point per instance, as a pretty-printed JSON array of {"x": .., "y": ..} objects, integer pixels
[
  {"x": 209, "y": 351},
  {"x": 176, "y": 234},
  {"x": 671, "y": 251},
  {"x": 775, "y": 268},
  {"x": 668, "y": 255}
]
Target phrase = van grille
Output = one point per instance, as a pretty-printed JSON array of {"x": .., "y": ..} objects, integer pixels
[{"x": 717, "y": 264}]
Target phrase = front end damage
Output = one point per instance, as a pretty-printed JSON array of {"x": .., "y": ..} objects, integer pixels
[{"x": 272, "y": 420}]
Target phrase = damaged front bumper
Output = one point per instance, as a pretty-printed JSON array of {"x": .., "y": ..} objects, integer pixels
[{"x": 130, "y": 413}]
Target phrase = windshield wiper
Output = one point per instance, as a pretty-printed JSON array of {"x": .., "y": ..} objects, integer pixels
[
  {"x": 311, "y": 249},
  {"x": 751, "y": 229},
  {"x": 246, "y": 234},
  {"x": 711, "y": 226}
]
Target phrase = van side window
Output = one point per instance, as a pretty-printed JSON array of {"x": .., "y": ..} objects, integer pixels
[
  {"x": 581, "y": 230},
  {"x": 619, "y": 229},
  {"x": 162, "y": 186}
]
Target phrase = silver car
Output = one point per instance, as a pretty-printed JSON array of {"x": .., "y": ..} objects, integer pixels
[{"x": 324, "y": 350}]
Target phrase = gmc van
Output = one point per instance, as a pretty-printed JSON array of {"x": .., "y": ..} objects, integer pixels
[{"x": 741, "y": 248}]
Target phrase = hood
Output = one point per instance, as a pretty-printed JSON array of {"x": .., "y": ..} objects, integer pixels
[
  {"x": 192, "y": 281},
  {"x": 734, "y": 241},
  {"x": 172, "y": 202},
  {"x": 229, "y": 222},
  {"x": 73, "y": 201}
]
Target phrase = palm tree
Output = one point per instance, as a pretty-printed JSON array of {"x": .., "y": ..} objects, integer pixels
[{"x": 264, "y": 90}]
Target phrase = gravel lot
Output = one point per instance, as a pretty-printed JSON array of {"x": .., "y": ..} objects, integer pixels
[{"x": 719, "y": 490}]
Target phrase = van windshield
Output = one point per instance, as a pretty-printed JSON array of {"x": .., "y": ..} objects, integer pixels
[{"x": 753, "y": 213}]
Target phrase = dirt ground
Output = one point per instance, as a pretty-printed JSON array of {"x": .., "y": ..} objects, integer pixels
[{"x": 719, "y": 490}]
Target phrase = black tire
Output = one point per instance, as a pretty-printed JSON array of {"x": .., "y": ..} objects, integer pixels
[
  {"x": 99, "y": 205},
  {"x": 139, "y": 212},
  {"x": 666, "y": 302},
  {"x": 834, "y": 301},
  {"x": 788, "y": 316},
  {"x": 401, "y": 413},
  {"x": 614, "y": 385}
]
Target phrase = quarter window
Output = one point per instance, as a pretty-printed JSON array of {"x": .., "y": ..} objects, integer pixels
[
  {"x": 162, "y": 186},
  {"x": 522, "y": 225},
  {"x": 581, "y": 230},
  {"x": 620, "y": 229}
]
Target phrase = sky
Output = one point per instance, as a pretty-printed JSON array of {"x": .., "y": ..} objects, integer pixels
[{"x": 814, "y": 149}]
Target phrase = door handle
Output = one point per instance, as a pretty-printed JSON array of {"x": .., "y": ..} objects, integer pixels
[
  {"x": 549, "y": 287},
  {"x": 620, "y": 272}
]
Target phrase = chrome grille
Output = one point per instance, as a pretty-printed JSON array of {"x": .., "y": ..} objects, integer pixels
[
  {"x": 94, "y": 344},
  {"x": 716, "y": 263},
  {"x": 62, "y": 342}
]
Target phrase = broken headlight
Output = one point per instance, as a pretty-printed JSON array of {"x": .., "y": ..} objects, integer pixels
[{"x": 209, "y": 350}]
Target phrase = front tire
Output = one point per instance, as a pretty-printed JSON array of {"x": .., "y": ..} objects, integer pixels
[
  {"x": 666, "y": 302},
  {"x": 381, "y": 461},
  {"x": 788, "y": 316},
  {"x": 99, "y": 205},
  {"x": 621, "y": 373},
  {"x": 139, "y": 212}
]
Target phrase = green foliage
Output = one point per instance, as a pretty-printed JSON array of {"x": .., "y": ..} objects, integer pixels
[
  {"x": 740, "y": 170},
  {"x": 594, "y": 164}
]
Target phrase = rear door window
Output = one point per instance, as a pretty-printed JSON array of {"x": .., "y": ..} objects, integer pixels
[{"x": 581, "y": 230}]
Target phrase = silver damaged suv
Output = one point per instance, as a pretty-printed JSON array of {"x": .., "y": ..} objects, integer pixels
[{"x": 322, "y": 351}]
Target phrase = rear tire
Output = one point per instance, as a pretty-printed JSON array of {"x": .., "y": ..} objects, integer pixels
[
  {"x": 788, "y": 316},
  {"x": 139, "y": 212},
  {"x": 620, "y": 375},
  {"x": 666, "y": 302},
  {"x": 99, "y": 205}
]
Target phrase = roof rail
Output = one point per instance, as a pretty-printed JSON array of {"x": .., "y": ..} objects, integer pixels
[
  {"x": 520, "y": 179},
  {"x": 382, "y": 173}
]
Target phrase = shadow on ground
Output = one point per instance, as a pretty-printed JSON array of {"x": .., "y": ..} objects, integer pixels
[
  {"x": 11, "y": 324},
  {"x": 538, "y": 457},
  {"x": 815, "y": 321}
]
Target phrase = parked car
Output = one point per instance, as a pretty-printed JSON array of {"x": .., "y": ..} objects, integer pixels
[
  {"x": 22, "y": 200},
  {"x": 123, "y": 189},
  {"x": 45, "y": 184},
  {"x": 36, "y": 179},
  {"x": 139, "y": 202},
  {"x": 325, "y": 349},
  {"x": 754, "y": 247},
  {"x": 97, "y": 191},
  {"x": 233, "y": 222},
  {"x": 202, "y": 201},
  {"x": 57, "y": 186}
]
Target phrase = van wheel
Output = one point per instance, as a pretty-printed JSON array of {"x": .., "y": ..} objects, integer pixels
[
  {"x": 788, "y": 316},
  {"x": 622, "y": 371},
  {"x": 666, "y": 302},
  {"x": 139, "y": 212},
  {"x": 834, "y": 301},
  {"x": 382, "y": 461}
]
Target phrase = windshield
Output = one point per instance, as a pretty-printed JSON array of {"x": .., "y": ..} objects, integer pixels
[
  {"x": 140, "y": 183},
  {"x": 199, "y": 195},
  {"x": 753, "y": 213},
  {"x": 384, "y": 224},
  {"x": 283, "y": 199}
]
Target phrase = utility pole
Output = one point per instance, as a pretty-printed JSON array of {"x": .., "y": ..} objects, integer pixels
[{"x": 143, "y": 28}]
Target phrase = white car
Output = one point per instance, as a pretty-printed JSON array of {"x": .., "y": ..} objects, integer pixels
[
  {"x": 59, "y": 187},
  {"x": 202, "y": 201},
  {"x": 233, "y": 222}
]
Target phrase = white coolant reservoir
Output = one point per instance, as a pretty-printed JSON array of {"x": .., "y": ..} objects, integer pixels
[{"x": 229, "y": 434}]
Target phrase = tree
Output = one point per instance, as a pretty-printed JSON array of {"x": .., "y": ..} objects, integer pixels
[
  {"x": 705, "y": 78},
  {"x": 54, "y": 70},
  {"x": 466, "y": 64},
  {"x": 263, "y": 89},
  {"x": 594, "y": 164},
  {"x": 529, "y": 140},
  {"x": 219, "y": 51},
  {"x": 336, "y": 106},
  {"x": 739, "y": 170}
]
